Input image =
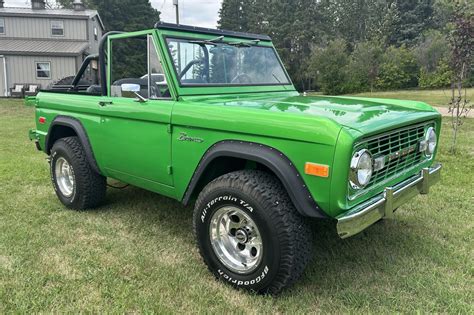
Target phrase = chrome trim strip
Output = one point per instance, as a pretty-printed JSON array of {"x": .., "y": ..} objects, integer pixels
[{"x": 384, "y": 205}]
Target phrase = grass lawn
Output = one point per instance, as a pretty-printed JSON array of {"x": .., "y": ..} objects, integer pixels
[
  {"x": 439, "y": 98},
  {"x": 137, "y": 252}
]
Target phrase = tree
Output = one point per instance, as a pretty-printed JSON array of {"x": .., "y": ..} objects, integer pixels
[
  {"x": 414, "y": 17},
  {"x": 233, "y": 15},
  {"x": 433, "y": 57},
  {"x": 329, "y": 65},
  {"x": 364, "y": 66},
  {"x": 122, "y": 15},
  {"x": 294, "y": 25},
  {"x": 125, "y": 15},
  {"x": 462, "y": 57},
  {"x": 399, "y": 69}
]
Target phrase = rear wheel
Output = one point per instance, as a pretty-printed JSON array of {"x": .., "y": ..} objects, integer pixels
[
  {"x": 75, "y": 182},
  {"x": 249, "y": 233}
]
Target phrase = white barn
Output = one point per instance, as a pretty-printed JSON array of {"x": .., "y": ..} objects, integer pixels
[{"x": 40, "y": 45}]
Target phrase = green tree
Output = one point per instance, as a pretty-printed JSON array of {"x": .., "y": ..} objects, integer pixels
[
  {"x": 461, "y": 38},
  {"x": 364, "y": 66},
  {"x": 294, "y": 25},
  {"x": 414, "y": 18},
  {"x": 329, "y": 65},
  {"x": 125, "y": 15},
  {"x": 122, "y": 15},
  {"x": 399, "y": 69},
  {"x": 433, "y": 54},
  {"x": 233, "y": 15}
]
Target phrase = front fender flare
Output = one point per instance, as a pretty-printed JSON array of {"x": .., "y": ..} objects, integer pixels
[
  {"x": 272, "y": 158},
  {"x": 80, "y": 131}
]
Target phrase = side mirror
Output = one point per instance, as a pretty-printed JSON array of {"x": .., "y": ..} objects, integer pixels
[
  {"x": 129, "y": 87},
  {"x": 134, "y": 88}
]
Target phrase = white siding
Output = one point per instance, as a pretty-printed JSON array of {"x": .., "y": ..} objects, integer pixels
[
  {"x": 94, "y": 44},
  {"x": 22, "y": 69},
  {"x": 35, "y": 27}
]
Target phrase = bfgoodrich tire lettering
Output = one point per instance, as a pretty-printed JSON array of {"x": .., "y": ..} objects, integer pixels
[
  {"x": 285, "y": 236},
  {"x": 89, "y": 187}
]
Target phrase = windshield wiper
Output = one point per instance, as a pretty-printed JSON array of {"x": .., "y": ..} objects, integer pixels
[
  {"x": 276, "y": 78},
  {"x": 213, "y": 41},
  {"x": 220, "y": 40},
  {"x": 245, "y": 44}
]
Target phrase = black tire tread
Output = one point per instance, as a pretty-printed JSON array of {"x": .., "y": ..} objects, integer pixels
[
  {"x": 293, "y": 231},
  {"x": 93, "y": 186}
]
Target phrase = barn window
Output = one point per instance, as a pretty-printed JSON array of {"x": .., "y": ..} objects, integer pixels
[
  {"x": 43, "y": 70},
  {"x": 57, "y": 28},
  {"x": 2, "y": 26},
  {"x": 96, "y": 35}
]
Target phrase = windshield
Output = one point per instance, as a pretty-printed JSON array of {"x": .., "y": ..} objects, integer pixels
[{"x": 214, "y": 62}]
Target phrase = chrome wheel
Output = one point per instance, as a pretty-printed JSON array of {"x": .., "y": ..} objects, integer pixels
[
  {"x": 235, "y": 239},
  {"x": 64, "y": 176}
]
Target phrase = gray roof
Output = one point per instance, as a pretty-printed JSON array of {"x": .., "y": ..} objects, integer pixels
[
  {"x": 57, "y": 13},
  {"x": 33, "y": 47}
]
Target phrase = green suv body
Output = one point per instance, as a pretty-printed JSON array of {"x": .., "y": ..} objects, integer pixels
[{"x": 212, "y": 115}]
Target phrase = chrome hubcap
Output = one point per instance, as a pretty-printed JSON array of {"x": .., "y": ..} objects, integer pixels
[
  {"x": 235, "y": 239},
  {"x": 64, "y": 176}
]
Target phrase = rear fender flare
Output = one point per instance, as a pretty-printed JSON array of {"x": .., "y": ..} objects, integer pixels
[
  {"x": 80, "y": 131},
  {"x": 272, "y": 158}
]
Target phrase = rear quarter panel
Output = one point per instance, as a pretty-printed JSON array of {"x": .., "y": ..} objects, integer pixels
[{"x": 82, "y": 107}]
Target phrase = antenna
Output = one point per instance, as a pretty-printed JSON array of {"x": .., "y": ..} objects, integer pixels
[{"x": 175, "y": 3}]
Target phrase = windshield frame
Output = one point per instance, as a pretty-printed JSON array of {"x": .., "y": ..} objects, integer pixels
[{"x": 266, "y": 44}]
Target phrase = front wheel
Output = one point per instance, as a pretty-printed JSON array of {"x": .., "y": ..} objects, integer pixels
[{"x": 249, "y": 233}]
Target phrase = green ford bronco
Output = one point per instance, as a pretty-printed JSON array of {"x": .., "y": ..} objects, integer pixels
[{"x": 210, "y": 117}]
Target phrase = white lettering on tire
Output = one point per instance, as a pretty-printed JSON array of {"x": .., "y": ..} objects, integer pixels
[
  {"x": 213, "y": 201},
  {"x": 246, "y": 282}
]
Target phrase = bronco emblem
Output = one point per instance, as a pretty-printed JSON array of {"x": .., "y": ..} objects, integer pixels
[
  {"x": 401, "y": 153},
  {"x": 184, "y": 137}
]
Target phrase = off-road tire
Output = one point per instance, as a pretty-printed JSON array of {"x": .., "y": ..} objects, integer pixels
[
  {"x": 285, "y": 234},
  {"x": 89, "y": 187}
]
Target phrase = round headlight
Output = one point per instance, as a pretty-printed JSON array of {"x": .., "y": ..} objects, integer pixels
[
  {"x": 431, "y": 141},
  {"x": 361, "y": 169}
]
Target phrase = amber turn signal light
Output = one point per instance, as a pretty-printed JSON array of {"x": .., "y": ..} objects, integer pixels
[{"x": 316, "y": 169}]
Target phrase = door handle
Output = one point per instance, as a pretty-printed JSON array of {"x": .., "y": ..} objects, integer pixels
[{"x": 104, "y": 103}]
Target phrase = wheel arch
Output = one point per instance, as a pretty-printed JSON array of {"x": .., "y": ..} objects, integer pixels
[
  {"x": 231, "y": 155},
  {"x": 66, "y": 126}
]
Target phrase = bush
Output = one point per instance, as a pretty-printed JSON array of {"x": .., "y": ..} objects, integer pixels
[
  {"x": 433, "y": 56},
  {"x": 329, "y": 67},
  {"x": 399, "y": 69},
  {"x": 364, "y": 66},
  {"x": 439, "y": 78}
]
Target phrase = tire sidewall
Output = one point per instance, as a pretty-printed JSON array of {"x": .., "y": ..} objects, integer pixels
[
  {"x": 263, "y": 275},
  {"x": 60, "y": 150}
]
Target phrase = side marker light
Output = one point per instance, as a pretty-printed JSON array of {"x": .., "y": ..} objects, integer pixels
[{"x": 316, "y": 169}]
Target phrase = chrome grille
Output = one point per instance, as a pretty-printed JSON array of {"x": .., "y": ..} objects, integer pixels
[{"x": 399, "y": 149}]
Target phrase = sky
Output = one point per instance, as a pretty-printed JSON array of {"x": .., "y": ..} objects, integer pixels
[{"x": 202, "y": 13}]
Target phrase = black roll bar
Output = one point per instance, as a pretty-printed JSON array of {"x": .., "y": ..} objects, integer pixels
[
  {"x": 81, "y": 71},
  {"x": 103, "y": 63}
]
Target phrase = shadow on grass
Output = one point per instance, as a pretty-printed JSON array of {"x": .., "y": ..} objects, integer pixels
[{"x": 335, "y": 263}]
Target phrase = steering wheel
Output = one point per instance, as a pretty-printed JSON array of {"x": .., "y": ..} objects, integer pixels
[{"x": 241, "y": 76}]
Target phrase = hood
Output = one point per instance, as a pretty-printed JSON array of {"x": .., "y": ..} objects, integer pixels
[{"x": 366, "y": 115}]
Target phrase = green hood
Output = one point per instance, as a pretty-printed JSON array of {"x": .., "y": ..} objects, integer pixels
[{"x": 365, "y": 115}]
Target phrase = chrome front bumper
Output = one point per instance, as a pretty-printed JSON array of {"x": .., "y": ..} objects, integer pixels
[{"x": 384, "y": 205}]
